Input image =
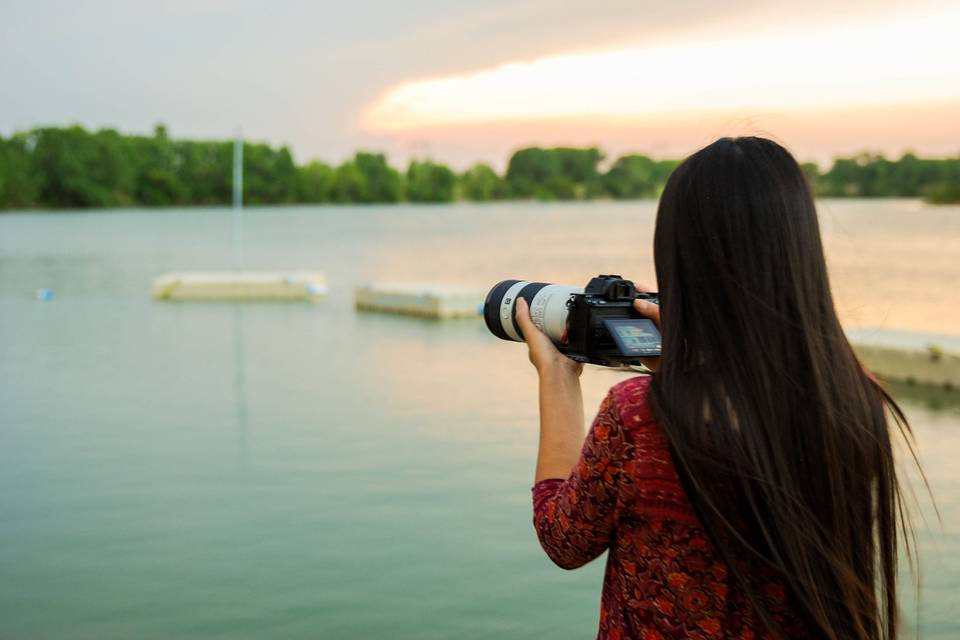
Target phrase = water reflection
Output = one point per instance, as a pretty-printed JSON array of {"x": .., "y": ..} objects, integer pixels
[
  {"x": 240, "y": 390},
  {"x": 206, "y": 467},
  {"x": 440, "y": 371}
]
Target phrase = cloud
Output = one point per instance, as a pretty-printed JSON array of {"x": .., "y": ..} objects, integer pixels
[{"x": 905, "y": 58}]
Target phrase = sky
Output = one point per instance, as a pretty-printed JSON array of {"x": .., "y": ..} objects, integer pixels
[{"x": 461, "y": 81}]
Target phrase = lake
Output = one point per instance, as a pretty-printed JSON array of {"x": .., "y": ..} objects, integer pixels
[{"x": 219, "y": 470}]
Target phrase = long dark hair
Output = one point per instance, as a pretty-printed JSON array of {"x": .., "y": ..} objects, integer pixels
[{"x": 779, "y": 434}]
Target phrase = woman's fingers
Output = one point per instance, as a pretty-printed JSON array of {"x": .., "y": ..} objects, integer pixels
[
  {"x": 536, "y": 340},
  {"x": 523, "y": 319},
  {"x": 543, "y": 352},
  {"x": 531, "y": 333},
  {"x": 648, "y": 310}
]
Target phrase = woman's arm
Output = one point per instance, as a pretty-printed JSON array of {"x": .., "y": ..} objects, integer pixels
[
  {"x": 561, "y": 401},
  {"x": 561, "y": 423},
  {"x": 575, "y": 517},
  {"x": 576, "y": 495}
]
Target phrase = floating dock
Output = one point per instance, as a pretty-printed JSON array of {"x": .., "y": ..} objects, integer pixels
[
  {"x": 424, "y": 300},
  {"x": 932, "y": 367},
  {"x": 240, "y": 285}
]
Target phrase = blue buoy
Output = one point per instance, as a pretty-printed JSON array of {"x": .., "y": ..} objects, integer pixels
[{"x": 45, "y": 294}]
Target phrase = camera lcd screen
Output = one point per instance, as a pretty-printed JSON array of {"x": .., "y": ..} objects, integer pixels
[{"x": 634, "y": 336}]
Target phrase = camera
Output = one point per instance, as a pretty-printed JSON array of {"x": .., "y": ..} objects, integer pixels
[{"x": 596, "y": 324}]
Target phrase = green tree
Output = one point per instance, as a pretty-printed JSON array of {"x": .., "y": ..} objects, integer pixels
[
  {"x": 367, "y": 178},
  {"x": 481, "y": 183},
  {"x": 80, "y": 169},
  {"x": 873, "y": 175},
  {"x": 73, "y": 167},
  {"x": 562, "y": 173},
  {"x": 269, "y": 175},
  {"x": 947, "y": 193},
  {"x": 384, "y": 183},
  {"x": 18, "y": 178},
  {"x": 557, "y": 188},
  {"x": 430, "y": 182},
  {"x": 206, "y": 171},
  {"x": 349, "y": 184},
  {"x": 812, "y": 173},
  {"x": 579, "y": 165},
  {"x": 637, "y": 176},
  {"x": 315, "y": 182},
  {"x": 156, "y": 160}
]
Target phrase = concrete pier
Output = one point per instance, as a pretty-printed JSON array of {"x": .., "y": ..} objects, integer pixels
[
  {"x": 240, "y": 285},
  {"x": 932, "y": 367},
  {"x": 424, "y": 300}
]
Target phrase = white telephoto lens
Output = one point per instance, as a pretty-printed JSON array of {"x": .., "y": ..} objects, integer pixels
[
  {"x": 506, "y": 310},
  {"x": 549, "y": 309}
]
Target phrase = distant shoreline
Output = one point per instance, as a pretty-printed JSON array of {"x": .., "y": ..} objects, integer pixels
[
  {"x": 72, "y": 168},
  {"x": 355, "y": 205}
]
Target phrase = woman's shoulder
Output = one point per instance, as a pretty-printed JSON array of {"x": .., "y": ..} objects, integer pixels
[
  {"x": 631, "y": 401},
  {"x": 651, "y": 485}
]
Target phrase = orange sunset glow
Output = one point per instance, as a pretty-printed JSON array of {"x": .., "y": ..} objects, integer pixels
[{"x": 890, "y": 83}]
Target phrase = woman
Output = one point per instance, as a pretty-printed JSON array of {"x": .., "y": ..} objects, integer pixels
[{"x": 746, "y": 489}]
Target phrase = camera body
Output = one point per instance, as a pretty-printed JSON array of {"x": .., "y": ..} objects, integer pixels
[
  {"x": 596, "y": 324},
  {"x": 603, "y": 313}
]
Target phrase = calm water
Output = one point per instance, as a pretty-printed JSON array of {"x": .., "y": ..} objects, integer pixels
[{"x": 303, "y": 471}]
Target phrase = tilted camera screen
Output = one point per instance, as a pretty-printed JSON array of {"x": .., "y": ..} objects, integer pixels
[{"x": 634, "y": 336}]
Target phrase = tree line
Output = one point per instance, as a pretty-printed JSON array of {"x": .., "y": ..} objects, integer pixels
[{"x": 73, "y": 167}]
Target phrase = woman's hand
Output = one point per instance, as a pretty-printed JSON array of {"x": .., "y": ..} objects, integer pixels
[
  {"x": 650, "y": 311},
  {"x": 543, "y": 353}
]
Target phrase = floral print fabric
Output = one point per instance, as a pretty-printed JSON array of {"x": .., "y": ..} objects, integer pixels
[{"x": 663, "y": 577}]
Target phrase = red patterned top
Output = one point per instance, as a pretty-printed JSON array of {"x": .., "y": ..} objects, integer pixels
[{"x": 663, "y": 578}]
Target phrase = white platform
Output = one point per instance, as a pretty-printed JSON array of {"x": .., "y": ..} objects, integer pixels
[
  {"x": 240, "y": 285},
  {"x": 425, "y": 300},
  {"x": 932, "y": 367}
]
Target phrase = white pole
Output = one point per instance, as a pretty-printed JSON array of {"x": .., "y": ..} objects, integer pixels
[{"x": 237, "y": 201}]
